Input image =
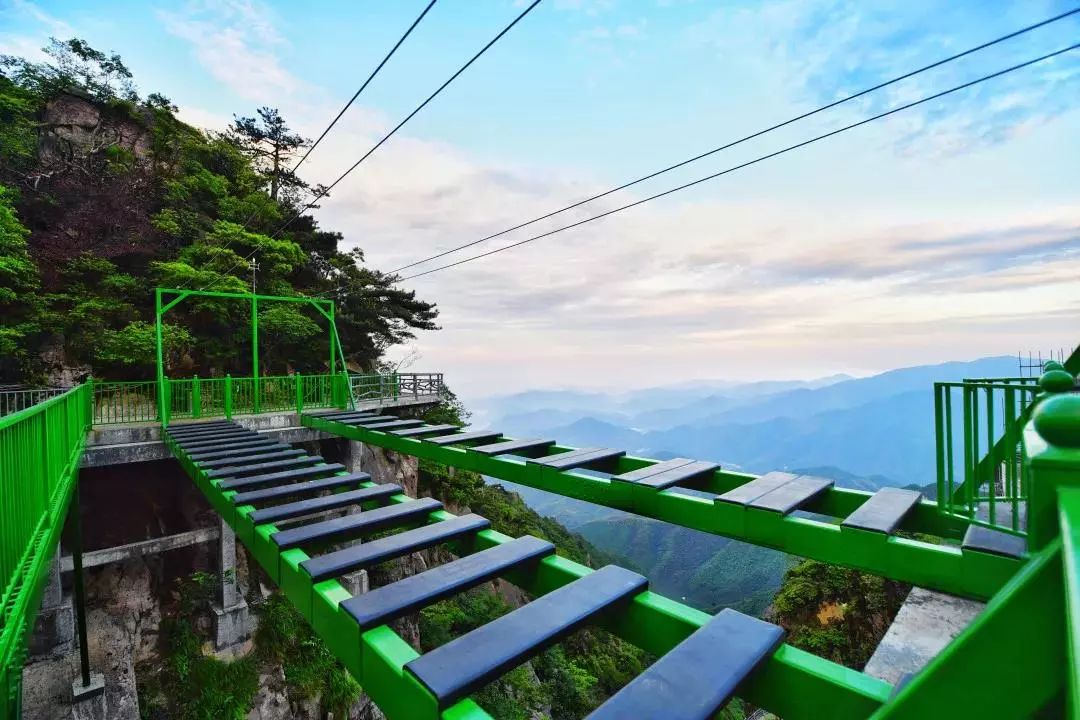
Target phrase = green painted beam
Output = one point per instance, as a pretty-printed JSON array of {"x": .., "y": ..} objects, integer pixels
[
  {"x": 1069, "y": 515},
  {"x": 791, "y": 683},
  {"x": 1009, "y": 663},
  {"x": 936, "y": 566}
]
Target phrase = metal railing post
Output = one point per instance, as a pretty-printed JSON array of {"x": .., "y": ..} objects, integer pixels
[
  {"x": 196, "y": 398},
  {"x": 299, "y": 393},
  {"x": 228, "y": 396}
]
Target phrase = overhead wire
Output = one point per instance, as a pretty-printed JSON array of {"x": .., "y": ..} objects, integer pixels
[
  {"x": 747, "y": 138},
  {"x": 322, "y": 193},
  {"x": 326, "y": 131},
  {"x": 755, "y": 161}
]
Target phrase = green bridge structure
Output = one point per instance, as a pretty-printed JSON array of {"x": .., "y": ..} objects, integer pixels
[{"x": 1004, "y": 529}]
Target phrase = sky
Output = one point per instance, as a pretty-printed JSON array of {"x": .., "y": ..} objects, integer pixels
[{"x": 948, "y": 231}]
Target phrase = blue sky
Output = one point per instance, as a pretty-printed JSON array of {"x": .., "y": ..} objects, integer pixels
[{"x": 945, "y": 232}]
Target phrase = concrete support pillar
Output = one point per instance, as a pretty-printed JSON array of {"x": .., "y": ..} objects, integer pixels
[
  {"x": 54, "y": 629},
  {"x": 354, "y": 456},
  {"x": 231, "y": 620},
  {"x": 355, "y": 582}
]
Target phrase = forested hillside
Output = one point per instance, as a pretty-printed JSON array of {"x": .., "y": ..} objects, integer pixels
[{"x": 105, "y": 194}]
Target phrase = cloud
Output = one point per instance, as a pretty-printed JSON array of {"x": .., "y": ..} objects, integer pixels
[
  {"x": 824, "y": 50},
  {"x": 29, "y": 46},
  {"x": 237, "y": 43}
]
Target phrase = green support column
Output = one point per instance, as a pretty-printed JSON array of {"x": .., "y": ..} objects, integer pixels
[
  {"x": 228, "y": 396},
  {"x": 255, "y": 351},
  {"x": 299, "y": 393},
  {"x": 160, "y": 358}
]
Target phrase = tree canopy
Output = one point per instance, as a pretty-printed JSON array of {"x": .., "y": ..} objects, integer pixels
[{"x": 105, "y": 194}]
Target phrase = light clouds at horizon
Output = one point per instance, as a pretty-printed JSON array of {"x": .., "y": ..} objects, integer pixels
[{"x": 949, "y": 232}]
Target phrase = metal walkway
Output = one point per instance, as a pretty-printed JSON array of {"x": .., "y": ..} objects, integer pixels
[{"x": 259, "y": 486}]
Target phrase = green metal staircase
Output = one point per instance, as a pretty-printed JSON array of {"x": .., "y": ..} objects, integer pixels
[{"x": 257, "y": 486}]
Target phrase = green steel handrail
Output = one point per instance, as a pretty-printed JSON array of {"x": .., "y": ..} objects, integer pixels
[
  {"x": 977, "y": 428},
  {"x": 214, "y": 397},
  {"x": 40, "y": 449}
]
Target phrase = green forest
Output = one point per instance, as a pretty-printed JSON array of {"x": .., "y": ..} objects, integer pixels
[{"x": 105, "y": 194}]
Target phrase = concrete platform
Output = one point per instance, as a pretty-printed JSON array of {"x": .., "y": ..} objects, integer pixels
[{"x": 926, "y": 623}]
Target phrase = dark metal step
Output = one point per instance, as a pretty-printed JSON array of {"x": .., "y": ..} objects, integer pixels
[
  {"x": 984, "y": 539},
  {"x": 394, "y": 424},
  {"x": 352, "y": 526},
  {"x": 250, "y": 458},
  {"x": 694, "y": 679},
  {"x": 227, "y": 441},
  {"x": 330, "y": 411},
  {"x": 346, "y": 415},
  {"x": 300, "y": 488},
  {"x": 216, "y": 435},
  {"x": 373, "y": 420},
  {"x": 363, "y": 555},
  {"x": 577, "y": 458},
  {"x": 790, "y": 496},
  {"x": 218, "y": 445},
  {"x": 471, "y": 661},
  {"x": 199, "y": 432},
  {"x": 748, "y": 492},
  {"x": 260, "y": 468},
  {"x": 465, "y": 437},
  {"x": 204, "y": 455},
  {"x": 509, "y": 447},
  {"x": 190, "y": 427},
  {"x": 425, "y": 430},
  {"x": 884, "y": 511},
  {"x": 326, "y": 502},
  {"x": 665, "y": 474},
  {"x": 283, "y": 475},
  {"x": 392, "y": 601}
]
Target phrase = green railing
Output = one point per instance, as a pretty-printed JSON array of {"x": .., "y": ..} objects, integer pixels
[
  {"x": 40, "y": 449},
  {"x": 978, "y": 428},
  {"x": 195, "y": 398}
]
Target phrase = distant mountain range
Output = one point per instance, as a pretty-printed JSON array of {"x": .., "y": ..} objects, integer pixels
[
  {"x": 869, "y": 431},
  {"x": 864, "y": 433}
]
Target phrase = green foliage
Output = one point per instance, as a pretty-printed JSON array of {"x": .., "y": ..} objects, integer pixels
[
  {"x": 311, "y": 670},
  {"x": 135, "y": 345},
  {"x": 20, "y": 305},
  {"x": 837, "y": 613},
  {"x": 190, "y": 685},
  {"x": 188, "y": 213}
]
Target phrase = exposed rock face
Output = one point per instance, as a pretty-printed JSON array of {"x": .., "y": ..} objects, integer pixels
[{"x": 75, "y": 128}]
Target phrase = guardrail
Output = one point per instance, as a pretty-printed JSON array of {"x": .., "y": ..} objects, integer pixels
[
  {"x": 195, "y": 398},
  {"x": 12, "y": 400},
  {"x": 40, "y": 448},
  {"x": 978, "y": 426}
]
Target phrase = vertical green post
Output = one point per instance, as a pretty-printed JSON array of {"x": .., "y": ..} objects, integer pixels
[
  {"x": 299, "y": 393},
  {"x": 90, "y": 400},
  {"x": 255, "y": 351},
  {"x": 196, "y": 398},
  {"x": 333, "y": 341},
  {"x": 228, "y": 396},
  {"x": 162, "y": 415}
]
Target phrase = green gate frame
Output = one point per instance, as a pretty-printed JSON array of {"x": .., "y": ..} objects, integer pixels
[{"x": 324, "y": 306}]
